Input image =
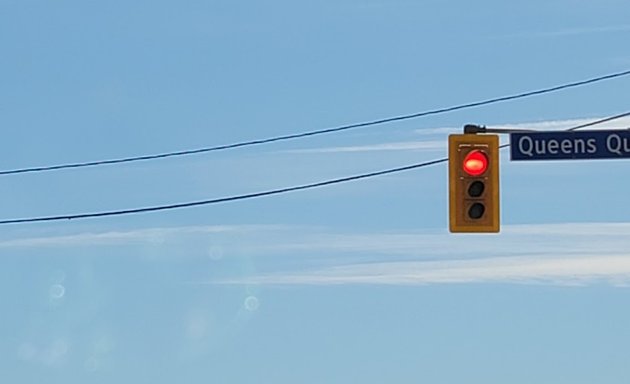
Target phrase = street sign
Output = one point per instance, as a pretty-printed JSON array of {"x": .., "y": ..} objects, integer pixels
[{"x": 566, "y": 145}]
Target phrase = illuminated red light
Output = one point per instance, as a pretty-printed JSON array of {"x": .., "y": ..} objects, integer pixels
[{"x": 475, "y": 163}]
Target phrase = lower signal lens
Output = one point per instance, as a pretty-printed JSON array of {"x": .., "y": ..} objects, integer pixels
[{"x": 476, "y": 211}]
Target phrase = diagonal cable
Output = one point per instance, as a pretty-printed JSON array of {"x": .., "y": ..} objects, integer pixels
[
  {"x": 248, "y": 196},
  {"x": 224, "y": 199},
  {"x": 317, "y": 132}
]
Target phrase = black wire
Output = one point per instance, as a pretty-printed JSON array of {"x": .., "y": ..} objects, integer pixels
[
  {"x": 264, "y": 193},
  {"x": 321, "y": 131},
  {"x": 601, "y": 121},
  {"x": 224, "y": 199},
  {"x": 586, "y": 125}
]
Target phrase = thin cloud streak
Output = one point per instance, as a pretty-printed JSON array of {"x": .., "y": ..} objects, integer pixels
[
  {"x": 541, "y": 269},
  {"x": 441, "y": 145},
  {"x": 395, "y": 146},
  {"x": 559, "y": 239},
  {"x": 564, "y": 254},
  {"x": 145, "y": 235},
  {"x": 622, "y": 123}
]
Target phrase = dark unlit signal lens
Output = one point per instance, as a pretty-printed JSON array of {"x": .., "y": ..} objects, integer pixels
[
  {"x": 476, "y": 188},
  {"x": 476, "y": 211}
]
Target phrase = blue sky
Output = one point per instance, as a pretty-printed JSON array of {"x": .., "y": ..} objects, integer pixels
[{"x": 359, "y": 282}]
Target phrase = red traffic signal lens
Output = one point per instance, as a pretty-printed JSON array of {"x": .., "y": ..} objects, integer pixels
[{"x": 475, "y": 163}]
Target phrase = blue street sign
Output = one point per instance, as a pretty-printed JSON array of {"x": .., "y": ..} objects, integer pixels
[{"x": 565, "y": 145}]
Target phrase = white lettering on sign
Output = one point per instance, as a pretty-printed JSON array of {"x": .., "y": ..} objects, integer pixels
[
  {"x": 618, "y": 145},
  {"x": 531, "y": 147}
]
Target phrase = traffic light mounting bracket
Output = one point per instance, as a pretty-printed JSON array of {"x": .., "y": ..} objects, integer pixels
[{"x": 474, "y": 129}]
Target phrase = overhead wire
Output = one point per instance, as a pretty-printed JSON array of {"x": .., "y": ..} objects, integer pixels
[
  {"x": 587, "y": 125},
  {"x": 600, "y": 121},
  {"x": 263, "y": 193},
  {"x": 317, "y": 132},
  {"x": 224, "y": 199}
]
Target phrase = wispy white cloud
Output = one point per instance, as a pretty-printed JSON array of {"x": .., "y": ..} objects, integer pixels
[
  {"x": 590, "y": 230},
  {"x": 438, "y": 143},
  {"x": 550, "y": 125},
  {"x": 622, "y": 123},
  {"x": 393, "y": 146},
  {"x": 551, "y": 253},
  {"x": 566, "y": 253},
  {"x": 546, "y": 269},
  {"x": 560, "y": 239},
  {"x": 437, "y": 131},
  {"x": 145, "y": 235}
]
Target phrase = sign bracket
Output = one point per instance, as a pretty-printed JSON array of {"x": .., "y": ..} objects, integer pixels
[{"x": 474, "y": 129}]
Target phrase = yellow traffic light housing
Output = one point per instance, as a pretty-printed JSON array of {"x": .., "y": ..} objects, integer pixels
[{"x": 473, "y": 166}]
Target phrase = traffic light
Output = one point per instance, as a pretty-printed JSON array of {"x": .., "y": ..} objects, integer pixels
[{"x": 473, "y": 166}]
